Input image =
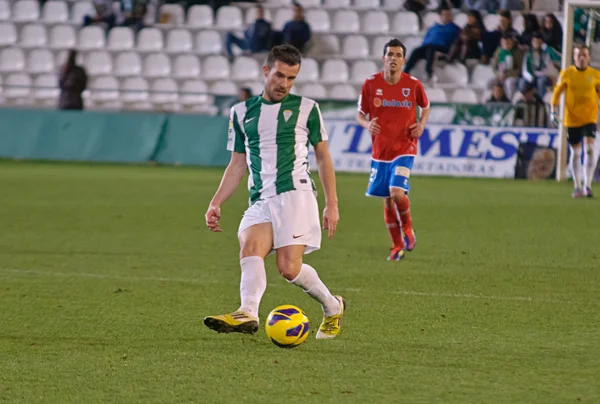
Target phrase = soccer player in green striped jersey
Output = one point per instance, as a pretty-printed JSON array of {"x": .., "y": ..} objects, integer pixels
[{"x": 269, "y": 135}]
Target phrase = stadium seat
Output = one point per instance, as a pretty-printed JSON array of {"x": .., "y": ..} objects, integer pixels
[
  {"x": 464, "y": 96},
  {"x": 200, "y": 16},
  {"x": 257, "y": 87},
  {"x": 378, "y": 44},
  {"x": 405, "y": 23},
  {"x": 245, "y": 69},
  {"x": 309, "y": 72},
  {"x": 411, "y": 42},
  {"x": 164, "y": 91},
  {"x": 430, "y": 19},
  {"x": 25, "y": 11},
  {"x": 454, "y": 74},
  {"x": 33, "y": 36},
  {"x": 251, "y": 16},
  {"x": 491, "y": 21},
  {"x": 355, "y": 46},
  {"x": 98, "y": 63},
  {"x": 171, "y": 14},
  {"x": 311, "y": 3},
  {"x": 519, "y": 23},
  {"x": 91, "y": 38},
  {"x": 157, "y": 65},
  {"x": 318, "y": 20},
  {"x": 55, "y": 12},
  {"x": 104, "y": 89},
  {"x": 277, "y": 3},
  {"x": 282, "y": 16},
  {"x": 134, "y": 90},
  {"x": 366, "y": 4},
  {"x": 436, "y": 95},
  {"x": 336, "y": 4},
  {"x": 45, "y": 89},
  {"x": 208, "y": 42},
  {"x": 224, "y": 87},
  {"x": 186, "y": 67},
  {"x": 215, "y": 68},
  {"x": 12, "y": 60},
  {"x": 315, "y": 91},
  {"x": 194, "y": 92},
  {"x": 4, "y": 10},
  {"x": 120, "y": 39},
  {"x": 346, "y": 21},
  {"x": 229, "y": 18},
  {"x": 375, "y": 22},
  {"x": 40, "y": 61},
  {"x": 327, "y": 45},
  {"x": 481, "y": 76},
  {"x": 8, "y": 34},
  {"x": 150, "y": 40},
  {"x": 179, "y": 41},
  {"x": 393, "y": 5},
  {"x": 361, "y": 70},
  {"x": 334, "y": 71},
  {"x": 127, "y": 64},
  {"x": 62, "y": 37},
  {"x": 81, "y": 9},
  {"x": 460, "y": 19},
  {"x": 17, "y": 87},
  {"x": 343, "y": 92}
]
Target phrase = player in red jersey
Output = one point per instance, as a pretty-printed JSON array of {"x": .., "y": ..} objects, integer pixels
[{"x": 387, "y": 108}]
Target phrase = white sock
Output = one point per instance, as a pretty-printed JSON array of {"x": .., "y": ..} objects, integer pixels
[
  {"x": 252, "y": 284},
  {"x": 590, "y": 165},
  {"x": 309, "y": 281},
  {"x": 576, "y": 166}
]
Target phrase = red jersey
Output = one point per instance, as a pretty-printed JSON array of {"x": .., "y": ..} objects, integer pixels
[{"x": 396, "y": 107}]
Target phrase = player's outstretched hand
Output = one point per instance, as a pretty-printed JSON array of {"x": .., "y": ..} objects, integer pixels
[
  {"x": 374, "y": 127},
  {"x": 416, "y": 130},
  {"x": 331, "y": 217},
  {"x": 213, "y": 214},
  {"x": 554, "y": 119}
]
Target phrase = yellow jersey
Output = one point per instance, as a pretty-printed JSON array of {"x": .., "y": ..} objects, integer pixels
[{"x": 581, "y": 101}]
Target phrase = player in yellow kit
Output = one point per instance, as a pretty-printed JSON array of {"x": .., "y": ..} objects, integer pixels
[{"x": 581, "y": 84}]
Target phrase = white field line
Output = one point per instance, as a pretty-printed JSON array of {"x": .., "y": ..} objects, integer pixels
[{"x": 209, "y": 282}]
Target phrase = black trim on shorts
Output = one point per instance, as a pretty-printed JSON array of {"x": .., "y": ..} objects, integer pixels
[{"x": 576, "y": 135}]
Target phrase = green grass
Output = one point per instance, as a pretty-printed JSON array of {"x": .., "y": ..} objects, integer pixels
[{"x": 107, "y": 271}]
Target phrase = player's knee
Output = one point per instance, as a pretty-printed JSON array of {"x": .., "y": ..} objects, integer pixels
[
  {"x": 397, "y": 195},
  {"x": 289, "y": 268}
]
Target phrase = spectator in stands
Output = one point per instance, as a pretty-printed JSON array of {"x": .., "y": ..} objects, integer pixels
[
  {"x": 490, "y": 6},
  {"x": 134, "y": 12},
  {"x": 507, "y": 63},
  {"x": 581, "y": 18},
  {"x": 532, "y": 111},
  {"x": 498, "y": 94},
  {"x": 72, "y": 82},
  {"x": 540, "y": 66},
  {"x": 104, "y": 14},
  {"x": 439, "y": 38},
  {"x": 245, "y": 93},
  {"x": 467, "y": 46},
  {"x": 256, "y": 39},
  {"x": 416, "y": 6},
  {"x": 511, "y": 5},
  {"x": 297, "y": 32},
  {"x": 531, "y": 26},
  {"x": 491, "y": 40},
  {"x": 552, "y": 32}
]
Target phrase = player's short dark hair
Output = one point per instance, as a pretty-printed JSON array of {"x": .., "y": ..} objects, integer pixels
[
  {"x": 287, "y": 54},
  {"x": 394, "y": 43},
  {"x": 581, "y": 46}
]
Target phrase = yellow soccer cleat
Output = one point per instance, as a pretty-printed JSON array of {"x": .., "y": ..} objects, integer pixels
[
  {"x": 238, "y": 321},
  {"x": 330, "y": 327}
]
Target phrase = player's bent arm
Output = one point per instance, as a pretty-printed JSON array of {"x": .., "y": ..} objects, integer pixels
[
  {"x": 326, "y": 172},
  {"x": 425, "y": 112},
  {"x": 235, "y": 171},
  {"x": 560, "y": 87},
  {"x": 362, "y": 120}
]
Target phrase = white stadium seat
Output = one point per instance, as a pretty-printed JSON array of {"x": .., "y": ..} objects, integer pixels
[
  {"x": 460, "y": 19},
  {"x": 17, "y": 87},
  {"x": 62, "y": 37},
  {"x": 343, "y": 92},
  {"x": 278, "y": 3},
  {"x": 40, "y": 61},
  {"x": 315, "y": 91},
  {"x": 491, "y": 21},
  {"x": 309, "y": 72},
  {"x": 179, "y": 41},
  {"x": 194, "y": 92},
  {"x": 436, "y": 95},
  {"x": 481, "y": 76},
  {"x": 98, "y": 63},
  {"x": 411, "y": 43},
  {"x": 318, "y": 20},
  {"x": 361, "y": 70},
  {"x": 251, "y": 16},
  {"x": 4, "y": 10},
  {"x": 336, "y": 4},
  {"x": 257, "y": 87},
  {"x": 104, "y": 89},
  {"x": 157, "y": 65},
  {"x": 208, "y": 42},
  {"x": 26, "y": 10},
  {"x": 282, "y": 16},
  {"x": 81, "y": 9},
  {"x": 375, "y": 22},
  {"x": 327, "y": 45},
  {"x": 378, "y": 44},
  {"x": 172, "y": 13},
  {"x": 55, "y": 11},
  {"x": 8, "y": 34},
  {"x": 245, "y": 69},
  {"x": 519, "y": 23},
  {"x": 393, "y": 5},
  {"x": 46, "y": 89},
  {"x": 346, "y": 21},
  {"x": 430, "y": 19},
  {"x": 405, "y": 23},
  {"x": 12, "y": 60},
  {"x": 127, "y": 64},
  {"x": 200, "y": 16},
  {"x": 366, "y": 4},
  {"x": 60, "y": 58},
  {"x": 150, "y": 40},
  {"x": 187, "y": 67},
  {"x": 223, "y": 87},
  {"x": 334, "y": 71},
  {"x": 464, "y": 96},
  {"x": 216, "y": 68},
  {"x": 134, "y": 90},
  {"x": 91, "y": 38},
  {"x": 120, "y": 39},
  {"x": 33, "y": 36},
  {"x": 310, "y": 3},
  {"x": 164, "y": 91},
  {"x": 229, "y": 18},
  {"x": 455, "y": 74},
  {"x": 355, "y": 46}
]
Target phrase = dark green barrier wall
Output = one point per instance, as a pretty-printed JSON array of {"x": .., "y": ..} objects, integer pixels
[{"x": 127, "y": 137}]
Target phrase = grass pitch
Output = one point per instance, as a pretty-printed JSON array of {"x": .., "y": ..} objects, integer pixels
[{"x": 107, "y": 271}]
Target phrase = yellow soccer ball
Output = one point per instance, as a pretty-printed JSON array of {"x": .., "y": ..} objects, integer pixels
[{"x": 287, "y": 326}]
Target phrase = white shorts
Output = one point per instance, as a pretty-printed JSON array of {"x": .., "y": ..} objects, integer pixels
[{"x": 294, "y": 216}]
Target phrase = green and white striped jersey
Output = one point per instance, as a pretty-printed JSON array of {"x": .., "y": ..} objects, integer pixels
[{"x": 275, "y": 138}]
